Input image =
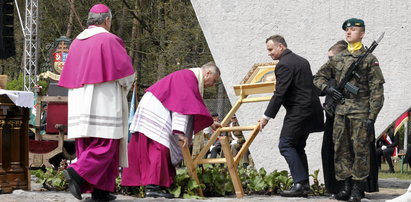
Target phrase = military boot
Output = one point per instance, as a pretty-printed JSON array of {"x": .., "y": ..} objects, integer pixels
[
  {"x": 345, "y": 193},
  {"x": 356, "y": 192}
]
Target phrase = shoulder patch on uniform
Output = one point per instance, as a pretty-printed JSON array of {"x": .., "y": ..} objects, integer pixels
[{"x": 375, "y": 64}]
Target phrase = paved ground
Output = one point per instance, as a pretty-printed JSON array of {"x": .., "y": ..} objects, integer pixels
[{"x": 390, "y": 188}]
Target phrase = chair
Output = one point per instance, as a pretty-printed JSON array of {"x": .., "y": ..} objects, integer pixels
[
  {"x": 52, "y": 144},
  {"x": 402, "y": 162}
]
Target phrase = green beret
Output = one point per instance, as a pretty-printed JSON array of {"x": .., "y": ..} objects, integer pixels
[{"x": 353, "y": 22}]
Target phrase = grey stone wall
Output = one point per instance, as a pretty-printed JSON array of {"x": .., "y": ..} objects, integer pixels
[{"x": 236, "y": 31}]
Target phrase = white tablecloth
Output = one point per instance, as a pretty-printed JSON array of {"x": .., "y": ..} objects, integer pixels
[{"x": 20, "y": 98}]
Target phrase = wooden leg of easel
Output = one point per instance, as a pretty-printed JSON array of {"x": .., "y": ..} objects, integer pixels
[
  {"x": 191, "y": 167},
  {"x": 232, "y": 167},
  {"x": 247, "y": 144}
]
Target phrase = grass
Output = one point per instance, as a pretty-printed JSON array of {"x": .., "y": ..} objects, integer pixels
[{"x": 406, "y": 175}]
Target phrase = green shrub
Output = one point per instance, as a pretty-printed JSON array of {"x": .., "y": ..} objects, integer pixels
[
  {"x": 317, "y": 189},
  {"x": 52, "y": 180},
  {"x": 215, "y": 181},
  {"x": 17, "y": 84}
]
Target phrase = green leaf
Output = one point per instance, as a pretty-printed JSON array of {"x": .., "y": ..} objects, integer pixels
[
  {"x": 262, "y": 172},
  {"x": 259, "y": 184},
  {"x": 182, "y": 171},
  {"x": 192, "y": 185},
  {"x": 55, "y": 182},
  {"x": 48, "y": 180},
  {"x": 284, "y": 173},
  {"x": 207, "y": 166},
  {"x": 176, "y": 191},
  {"x": 39, "y": 174},
  {"x": 229, "y": 187},
  {"x": 270, "y": 180},
  {"x": 207, "y": 177},
  {"x": 189, "y": 196},
  {"x": 285, "y": 182}
]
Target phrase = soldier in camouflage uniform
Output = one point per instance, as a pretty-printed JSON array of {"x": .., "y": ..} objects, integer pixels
[{"x": 354, "y": 118}]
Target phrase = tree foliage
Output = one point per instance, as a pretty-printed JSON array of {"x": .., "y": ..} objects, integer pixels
[{"x": 161, "y": 36}]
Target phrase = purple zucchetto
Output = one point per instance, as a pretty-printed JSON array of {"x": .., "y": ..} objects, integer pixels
[{"x": 99, "y": 8}]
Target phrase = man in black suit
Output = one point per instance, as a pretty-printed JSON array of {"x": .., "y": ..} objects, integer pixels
[
  {"x": 386, "y": 146},
  {"x": 296, "y": 92}
]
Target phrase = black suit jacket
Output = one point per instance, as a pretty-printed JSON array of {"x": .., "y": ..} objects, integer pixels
[{"x": 296, "y": 92}]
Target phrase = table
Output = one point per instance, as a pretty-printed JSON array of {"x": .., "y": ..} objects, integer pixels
[{"x": 14, "y": 117}]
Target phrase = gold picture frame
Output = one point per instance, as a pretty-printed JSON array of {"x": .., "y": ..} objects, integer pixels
[{"x": 260, "y": 79}]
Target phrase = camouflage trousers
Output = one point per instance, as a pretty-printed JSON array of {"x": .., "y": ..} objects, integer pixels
[{"x": 352, "y": 153}]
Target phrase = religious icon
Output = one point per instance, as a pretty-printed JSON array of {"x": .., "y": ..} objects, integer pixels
[
  {"x": 260, "y": 79},
  {"x": 260, "y": 73}
]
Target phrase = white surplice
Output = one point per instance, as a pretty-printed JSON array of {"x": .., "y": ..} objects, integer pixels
[
  {"x": 101, "y": 111},
  {"x": 158, "y": 123}
]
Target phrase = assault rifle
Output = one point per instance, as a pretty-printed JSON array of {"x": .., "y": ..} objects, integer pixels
[{"x": 329, "y": 107}]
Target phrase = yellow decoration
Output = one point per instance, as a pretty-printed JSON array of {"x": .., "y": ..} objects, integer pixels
[
  {"x": 50, "y": 75},
  {"x": 352, "y": 47}
]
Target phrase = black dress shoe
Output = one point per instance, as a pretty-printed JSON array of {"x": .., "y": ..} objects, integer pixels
[
  {"x": 101, "y": 195},
  {"x": 306, "y": 186},
  {"x": 296, "y": 191},
  {"x": 156, "y": 191},
  {"x": 157, "y": 194},
  {"x": 391, "y": 170},
  {"x": 112, "y": 198},
  {"x": 75, "y": 182}
]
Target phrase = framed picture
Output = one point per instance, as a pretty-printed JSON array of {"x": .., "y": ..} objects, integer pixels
[
  {"x": 260, "y": 73},
  {"x": 260, "y": 79}
]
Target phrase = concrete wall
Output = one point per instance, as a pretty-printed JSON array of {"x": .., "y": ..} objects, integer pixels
[{"x": 236, "y": 31}]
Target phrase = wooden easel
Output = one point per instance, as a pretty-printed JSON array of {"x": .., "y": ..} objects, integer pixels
[{"x": 247, "y": 87}]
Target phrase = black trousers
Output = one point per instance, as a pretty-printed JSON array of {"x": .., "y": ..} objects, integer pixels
[
  {"x": 293, "y": 150},
  {"x": 387, "y": 155},
  {"x": 327, "y": 153}
]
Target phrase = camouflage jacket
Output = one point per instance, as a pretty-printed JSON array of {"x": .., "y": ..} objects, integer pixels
[{"x": 370, "y": 82}]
